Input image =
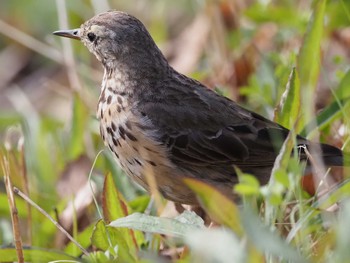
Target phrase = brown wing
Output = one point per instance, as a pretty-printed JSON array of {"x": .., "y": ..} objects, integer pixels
[{"x": 202, "y": 128}]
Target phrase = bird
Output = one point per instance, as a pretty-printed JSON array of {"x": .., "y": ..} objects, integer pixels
[{"x": 155, "y": 119}]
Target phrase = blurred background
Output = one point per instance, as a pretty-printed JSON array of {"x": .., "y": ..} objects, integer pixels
[{"x": 49, "y": 86}]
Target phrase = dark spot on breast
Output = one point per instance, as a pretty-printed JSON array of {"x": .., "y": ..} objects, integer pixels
[
  {"x": 109, "y": 99},
  {"x": 101, "y": 114},
  {"x": 130, "y": 171},
  {"x": 109, "y": 130},
  {"x": 109, "y": 112},
  {"x": 121, "y": 132},
  {"x": 130, "y": 136},
  {"x": 135, "y": 149},
  {"x": 129, "y": 162},
  {"x": 110, "y": 147},
  {"x": 114, "y": 128},
  {"x": 119, "y": 99},
  {"x": 138, "y": 162},
  {"x": 150, "y": 150},
  {"x": 115, "y": 141},
  {"x": 121, "y": 93},
  {"x": 152, "y": 163},
  {"x": 110, "y": 89},
  {"x": 119, "y": 109},
  {"x": 143, "y": 114},
  {"x": 117, "y": 155}
]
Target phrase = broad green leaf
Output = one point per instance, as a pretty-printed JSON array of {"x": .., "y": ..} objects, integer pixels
[
  {"x": 176, "y": 227},
  {"x": 83, "y": 239},
  {"x": 288, "y": 110},
  {"x": 114, "y": 206},
  {"x": 78, "y": 128},
  {"x": 113, "y": 203},
  {"x": 107, "y": 239},
  {"x": 100, "y": 237},
  {"x": 248, "y": 185},
  {"x": 267, "y": 241},
  {"x": 35, "y": 255},
  {"x": 219, "y": 207}
]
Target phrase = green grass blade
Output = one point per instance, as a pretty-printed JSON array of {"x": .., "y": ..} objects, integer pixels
[
  {"x": 308, "y": 62},
  {"x": 288, "y": 110},
  {"x": 266, "y": 240}
]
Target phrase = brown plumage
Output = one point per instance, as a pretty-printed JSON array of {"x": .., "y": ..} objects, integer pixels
[{"x": 157, "y": 120}]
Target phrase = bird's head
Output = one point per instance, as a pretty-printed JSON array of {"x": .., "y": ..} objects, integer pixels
[{"x": 115, "y": 37}]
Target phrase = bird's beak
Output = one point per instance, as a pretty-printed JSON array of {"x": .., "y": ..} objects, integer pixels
[{"x": 74, "y": 33}]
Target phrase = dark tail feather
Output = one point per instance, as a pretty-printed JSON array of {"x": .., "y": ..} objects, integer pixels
[{"x": 333, "y": 156}]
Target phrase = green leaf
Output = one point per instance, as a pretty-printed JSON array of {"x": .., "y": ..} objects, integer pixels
[
  {"x": 226, "y": 213},
  {"x": 140, "y": 203},
  {"x": 308, "y": 62},
  {"x": 113, "y": 203},
  {"x": 177, "y": 227},
  {"x": 114, "y": 206},
  {"x": 107, "y": 239},
  {"x": 99, "y": 237},
  {"x": 83, "y": 239},
  {"x": 35, "y": 255},
  {"x": 288, "y": 110},
  {"x": 248, "y": 185}
]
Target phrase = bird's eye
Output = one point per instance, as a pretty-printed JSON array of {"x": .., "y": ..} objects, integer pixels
[{"x": 91, "y": 36}]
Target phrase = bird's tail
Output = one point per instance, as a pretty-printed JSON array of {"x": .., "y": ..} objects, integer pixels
[{"x": 333, "y": 156}]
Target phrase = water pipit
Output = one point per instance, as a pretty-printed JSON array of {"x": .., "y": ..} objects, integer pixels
[{"x": 155, "y": 119}]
